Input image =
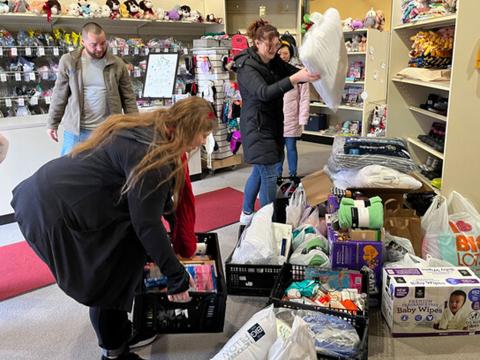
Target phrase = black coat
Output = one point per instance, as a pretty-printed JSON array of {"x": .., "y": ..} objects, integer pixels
[
  {"x": 94, "y": 242},
  {"x": 262, "y": 87}
]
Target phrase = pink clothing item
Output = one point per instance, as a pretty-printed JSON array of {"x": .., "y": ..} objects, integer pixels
[{"x": 296, "y": 110}]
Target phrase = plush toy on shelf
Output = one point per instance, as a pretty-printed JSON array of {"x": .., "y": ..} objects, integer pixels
[
  {"x": 73, "y": 9},
  {"x": 4, "y": 7},
  {"x": 348, "y": 46},
  {"x": 378, "y": 121},
  {"x": 184, "y": 12},
  {"x": 356, "y": 43},
  {"x": 85, "y": 8},
  {"x": 370, "y": 17},
  {"x": 347, "y": 24},
  {"x": 147, "y": 8},
  {"x": 362, "y": 46},
  {"x": 19, "y": 6},
  {"x": 130, "y": 9},
  {"x": 106, "y": 12},
  {"x": 52, "y": 7},
  {"x": 114, "y": 6},
  {"x": 380, "y": 20},
  {"x": 450, "y": 6},
  {"x": 357, "y": 24},
  {"x": 161, "y": 14},
  {"x": 173, "y": 14},
  {"x": 196, "y": 16}
]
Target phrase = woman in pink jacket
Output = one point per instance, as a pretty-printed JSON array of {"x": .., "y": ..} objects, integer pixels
[{"x": 296, "y": 103}]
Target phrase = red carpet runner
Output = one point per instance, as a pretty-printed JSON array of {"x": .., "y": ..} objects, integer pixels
[{"x": 22, "y": 271}]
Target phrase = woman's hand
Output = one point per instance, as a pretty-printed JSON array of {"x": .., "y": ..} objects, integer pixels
[
  {"x": 183, "y": 296},
  {"x": 303, "y": 76}
]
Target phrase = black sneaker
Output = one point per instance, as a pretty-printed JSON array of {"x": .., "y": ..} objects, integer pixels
[
  {"x": 126, "y": 356},
  {"x": 140, "y": 340}
]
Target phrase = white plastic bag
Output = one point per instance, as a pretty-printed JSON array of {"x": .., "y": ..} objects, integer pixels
[
  {"x": 397, "y": 247},
  {"x": 257, "y": 244},
  {"x": 452, "y": 231},
  {"x": 299, "y": 345},
  {"x": 253, "y": 340},
  {"x": 296, "y": 206},
  {"x": 323, "y": 51}
]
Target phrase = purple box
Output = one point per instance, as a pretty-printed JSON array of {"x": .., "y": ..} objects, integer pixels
[{"x": 354, "y": 255}]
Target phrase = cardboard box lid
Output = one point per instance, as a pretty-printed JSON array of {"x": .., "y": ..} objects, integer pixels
[{"x": 317, "y": 187}]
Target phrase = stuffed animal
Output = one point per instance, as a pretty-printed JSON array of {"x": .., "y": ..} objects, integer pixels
[
  {"x": 114, "y": 6},
  {"x": 173, "y": 14},
  {"x": 106, "y": 11},
  {"x": 73, "y": 9},
  {"x": 377, "y": 123},
  {"x": 210, "y": 18},
  {"x": 362, "y": 46},
  {"x": 450, "y": 5},
  {"x": 97, "y": 10},
  {"x": 19, "y": 6},
  {"x": 347, "y": 24},
  {"x": 348, "y": 46},
  {"x": 85, "y": 9},
  {"x": 52, "y": 7},
  {"x": 185, "y": 11},
  {"x": 4, "y": 8},
  {"x": 161, "y": 14},
  {"x": 356, "y": 43},
  {"x": 196, "y": 16},
  {"x": 147, "y": 8},
  {"x": 380, "y": 20},
  {"x": 369, "y": 21},
  {"x": 357, "y": 24}
]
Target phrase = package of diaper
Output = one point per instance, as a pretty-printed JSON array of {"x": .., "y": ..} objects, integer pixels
[{"x": 431, "y": 301}]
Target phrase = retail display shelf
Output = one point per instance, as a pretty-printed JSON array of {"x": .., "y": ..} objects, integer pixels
[
  {"x": 439, "y": 85},
  {"x": 425, "y": 147},
  {"x": 435, "y": 22},
  {"x": 356, "y": 31},
  {"x": 428, "y": 113},
  {"x": 317, "y": 133},
  {"x": 426, "y": 181},
  {"x": 341, "y": 107}
]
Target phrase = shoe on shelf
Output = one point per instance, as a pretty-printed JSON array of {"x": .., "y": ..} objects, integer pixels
[
  {"x": 246, "y": 219},
  {"x": 124, "y": 356},
  {"x": 141, "y": 339}
]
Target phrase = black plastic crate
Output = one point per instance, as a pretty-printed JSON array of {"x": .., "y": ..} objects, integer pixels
[
  {"x": 250, "y": 280},
  {"x": 292, "y": 273},
  {"x": 154, "y": 313}
]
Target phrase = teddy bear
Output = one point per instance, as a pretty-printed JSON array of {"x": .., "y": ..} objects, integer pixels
[
  {"x": 133, "y": 9},
  {"x": 147, "y": 8},
  {"x": 97, "y": 10},
  {"x": 4, "y": 8},
  {"x": 348, "y": 46},
  {"x": 380, "y": 20},
  {"x": 161, "y": 14},
  {"x": 114, "y": 6},
  {"x": 195, "y": 16},
  {"x": 347, "y": 24},
  {"x": 85, "y": 8},
  {"x": 357, "y": 24},
  {"x": 184, "y": 11},
  {"x": 356, "y": 43},
  {"x": 173, "y": 14}
]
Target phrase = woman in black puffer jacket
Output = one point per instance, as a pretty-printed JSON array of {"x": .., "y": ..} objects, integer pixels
[{"x": 263, "y": 79}]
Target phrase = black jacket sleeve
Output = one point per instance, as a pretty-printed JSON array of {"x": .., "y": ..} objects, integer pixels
[
  {"x": 256, "y": 85},
  {"x": 146, "y": 205}
]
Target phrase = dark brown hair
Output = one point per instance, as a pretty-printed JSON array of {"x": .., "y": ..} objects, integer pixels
[
  {"x": 261, "y": 30},
  {"x": 187, "y": 118}
]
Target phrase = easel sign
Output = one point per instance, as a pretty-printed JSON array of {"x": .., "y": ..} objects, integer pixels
[{"x": 161, "y": 75}]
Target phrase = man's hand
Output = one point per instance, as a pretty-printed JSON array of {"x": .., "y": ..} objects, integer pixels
[
  {"x": 183, "y": 296},
  {"x": 52, "y": 133}
]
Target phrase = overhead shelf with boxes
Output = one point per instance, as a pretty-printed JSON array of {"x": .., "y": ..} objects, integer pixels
[
  {"x": 434, "y": 108},
  {"x": 365, "y": 88}
]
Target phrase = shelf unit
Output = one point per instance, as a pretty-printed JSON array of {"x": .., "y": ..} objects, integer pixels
[
  {"x": 461, "y": 168},
  {"x": 30, "y": 146},
  {"x": 374, "y": 85}
]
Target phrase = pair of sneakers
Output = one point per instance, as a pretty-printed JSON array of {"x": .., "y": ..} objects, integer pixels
[{"x": 136, "y": 341}]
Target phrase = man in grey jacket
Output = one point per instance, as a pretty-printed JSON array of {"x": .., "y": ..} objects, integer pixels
[{"x": 91, "y": 84}]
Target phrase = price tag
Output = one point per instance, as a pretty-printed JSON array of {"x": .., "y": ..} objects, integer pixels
[
  {"x": 41, "y": 51},
  {"x": 125, "y": 51},
  {"x": 1, "y": 51},
  {"x": 8, "y": 102},
  {"x": 70, "y": 48},
  {"x": 18, "y": 76},
  {"x": 56, "y": 52},
  {"x": 185, "y": 51},
  {"x": 146, "y": 50},
  {"x": 165, "y": 50},
  {"x": 3, "y": 77},
  {"x": 157, "y": 50},
  {"x": 45, "y": 75},
  {"x": 13, "y": 51},
  {"x": 48, "y": 99},
  {"x": 28, "y": 51},
  {"x": 34, "y": 100},
  {"x": 31, "y": 76},
  {"x": 137, "y": 73},
  {"x": 21, "y": 101},
  {"x": 115, "y": 51},
  {"x": 136, "y": 51}
]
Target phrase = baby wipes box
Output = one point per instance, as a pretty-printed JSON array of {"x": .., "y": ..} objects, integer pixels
[{"x": 431, "y": 301}]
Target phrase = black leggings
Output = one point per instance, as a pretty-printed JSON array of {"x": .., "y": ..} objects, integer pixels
[{"x": 112, "y": 327}]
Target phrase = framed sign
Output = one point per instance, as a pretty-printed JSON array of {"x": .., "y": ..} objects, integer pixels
[{"x": 161, "y": 75}]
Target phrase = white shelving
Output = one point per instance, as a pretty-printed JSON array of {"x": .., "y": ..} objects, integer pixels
[
  {"x": 374, "y": 83},
  {"x": 428, "y": 113},
  {"x": 425, "y": 147},
  {"x": 461, "y": 168}
]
